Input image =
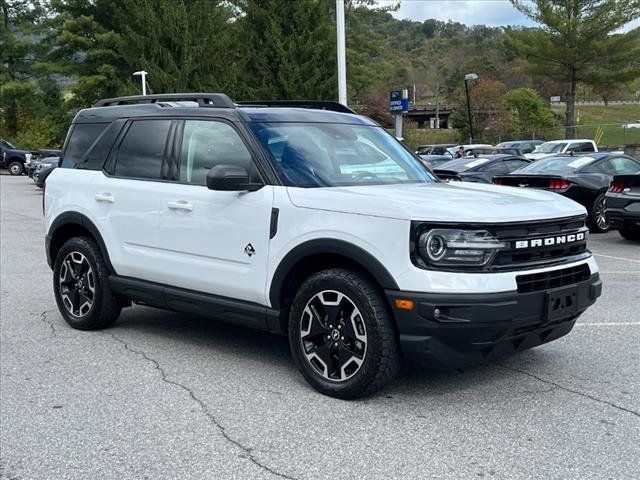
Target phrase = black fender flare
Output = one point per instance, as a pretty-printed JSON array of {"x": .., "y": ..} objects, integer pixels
[
  {"x": 328, "y": 246},
  {"x": 74, "y": 218}
]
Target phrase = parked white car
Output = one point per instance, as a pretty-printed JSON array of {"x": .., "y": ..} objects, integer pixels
[
  {"x": 555, "y": 147},
  {"x": 315, "y": 224}
]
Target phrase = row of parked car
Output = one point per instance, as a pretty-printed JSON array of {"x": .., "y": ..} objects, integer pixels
[
  {"x": 607, "y": 184},
  {"x": 19, "y": 161}
]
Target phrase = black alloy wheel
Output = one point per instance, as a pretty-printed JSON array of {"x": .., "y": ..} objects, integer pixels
[
  {"x": 333, "y": 335},
  {"x": 342, "y": 334},
  {"x": 77, "y": 284},
  {"x": 599, "y": 222},
  {"x": 81, "y": 286}
]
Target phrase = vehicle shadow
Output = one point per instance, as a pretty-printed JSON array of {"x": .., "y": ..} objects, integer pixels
[{"x": 197, "y": 334}]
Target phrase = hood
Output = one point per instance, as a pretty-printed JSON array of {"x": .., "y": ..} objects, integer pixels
[{"x": 444, "y": 202}]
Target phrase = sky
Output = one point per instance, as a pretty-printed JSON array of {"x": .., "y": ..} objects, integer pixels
[{"x": 470, "y": 12}]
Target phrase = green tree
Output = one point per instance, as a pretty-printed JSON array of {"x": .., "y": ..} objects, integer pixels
[
  {"x": 19, "y": 23},
  {"x": 184, "y": 45},
  {"x": 529, "y": 110},
  {"x": 288, "y": 49},
  {"x": 89, "y": 50},
  {"x": 577, "y": 43}
]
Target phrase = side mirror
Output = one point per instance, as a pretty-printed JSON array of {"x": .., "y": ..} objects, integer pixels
[{"x": 230, "y": 178}]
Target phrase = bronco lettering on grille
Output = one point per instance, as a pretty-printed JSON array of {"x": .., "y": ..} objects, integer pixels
[{"x": 550, "y": 241}]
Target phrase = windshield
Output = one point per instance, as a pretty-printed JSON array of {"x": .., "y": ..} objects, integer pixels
[
  {"x": 6, "y": 144},
  {"x": 550, "y": 147},
  {"x": 331, "y": 155},
  {"x": 557, "y": 164}
]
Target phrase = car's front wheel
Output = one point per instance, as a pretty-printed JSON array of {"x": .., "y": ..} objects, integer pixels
[
  {"x": 342, "y": 335},
  {"x": 81, "y": 286},
  {"x": 16, "y": 168}
]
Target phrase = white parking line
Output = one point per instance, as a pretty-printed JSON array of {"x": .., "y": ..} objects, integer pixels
[
  {"x": 607, "y": 324},
  {"x": 636, "y": 272},
  {"x": 617, "y": 258}
]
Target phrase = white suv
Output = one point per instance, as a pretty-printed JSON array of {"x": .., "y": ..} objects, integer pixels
[
  {"x": 306, "y": 219},
  {"x": 555, "y": 147}
]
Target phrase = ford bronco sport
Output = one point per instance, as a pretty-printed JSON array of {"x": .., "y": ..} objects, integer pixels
[{"x": 305, "y": 219}]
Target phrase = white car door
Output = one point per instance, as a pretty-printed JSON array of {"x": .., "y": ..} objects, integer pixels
[
  {"x": 215, "y": 242},
  {"x": 127, "y": 200}
]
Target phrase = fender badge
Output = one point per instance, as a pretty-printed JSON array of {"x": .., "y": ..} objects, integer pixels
[{"x": 249, "y": 250}]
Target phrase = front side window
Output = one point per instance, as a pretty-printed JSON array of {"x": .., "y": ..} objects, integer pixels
[
  {"x": 329, "y": 155},
  {"x": 142, "y": 150},
  {"x": 209, "y": 143}
]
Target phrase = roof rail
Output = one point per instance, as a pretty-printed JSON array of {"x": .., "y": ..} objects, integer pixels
[
  {"x": 313, "y": 104},
  {"x": 203, "y": 99}
]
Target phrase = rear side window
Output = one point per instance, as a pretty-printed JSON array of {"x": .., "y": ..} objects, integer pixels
[
  {"x": 80, "y": 139},
  {"x": 142, "y": 150},
  {"x": 622, "y": 165},
  {"x": 586, "y": 147},
  {"x": 515, "y": 164}
]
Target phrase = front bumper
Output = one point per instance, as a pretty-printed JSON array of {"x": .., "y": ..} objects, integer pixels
[{"x": 459, "y": 330}]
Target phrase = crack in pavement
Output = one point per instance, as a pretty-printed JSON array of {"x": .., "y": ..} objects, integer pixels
[
  {"x": 45, "y": 319},
  {"x": 570, "y": 390},
  {"x": 203, "y": 407}
]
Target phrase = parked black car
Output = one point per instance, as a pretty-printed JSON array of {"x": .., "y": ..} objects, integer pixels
[
  {"x": 13, "y": 158},
  {"x": 525, "y": 146},
  {"x": 44, "y": 168},
  {"x": 480, "y": 169},
  {"x": 435, "y": 149},
  {"x": 623, "y": 205},
  {"x": 584, "y": 179},
  {"x": 434, "y": 161}
]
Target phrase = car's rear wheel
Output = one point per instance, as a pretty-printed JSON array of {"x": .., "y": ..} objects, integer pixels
[
  {"x": 630, "y": 234},
  {"x": 81, "y": 286},
  {"x": 342, "y": 335},
  {"x": 16, "y": 168},
  {"x": 597, "y": 215}
]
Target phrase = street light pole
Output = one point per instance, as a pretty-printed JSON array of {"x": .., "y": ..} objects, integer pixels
[
  {"x": 342, "y": 58},
  {"x": 467, "y": 78},
  {"x": 143, "y": 77}
]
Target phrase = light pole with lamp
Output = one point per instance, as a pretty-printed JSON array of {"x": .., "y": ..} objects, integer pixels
[
  {"x": 469, "y": 77},
  {"x": 143, "y": 77}
]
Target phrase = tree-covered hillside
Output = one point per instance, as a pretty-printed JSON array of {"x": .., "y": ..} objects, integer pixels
[{"x": 61, "y": 55}]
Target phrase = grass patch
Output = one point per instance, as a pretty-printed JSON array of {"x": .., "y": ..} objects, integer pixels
[{"x": 610, "y": 119}]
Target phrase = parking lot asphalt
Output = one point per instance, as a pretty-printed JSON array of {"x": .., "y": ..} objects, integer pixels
[{"x": 163, "y": 395}]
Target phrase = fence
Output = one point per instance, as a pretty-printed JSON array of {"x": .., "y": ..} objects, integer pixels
[{"x": 604, "y": 134}]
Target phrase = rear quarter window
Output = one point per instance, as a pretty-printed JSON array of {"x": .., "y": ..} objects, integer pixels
[{"x": 80, "y": 138}]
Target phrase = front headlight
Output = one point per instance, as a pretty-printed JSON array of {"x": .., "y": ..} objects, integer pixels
[{"x": 452, "y": 247}]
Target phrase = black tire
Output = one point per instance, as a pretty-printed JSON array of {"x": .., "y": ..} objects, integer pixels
[
  {"x": 16, "y": 168},
  {"x": 96, "y": 309},
  {"x": 598, "y": 222},
  {"x": 376, "y": 342},
  {"x": 630, "y": 234}
]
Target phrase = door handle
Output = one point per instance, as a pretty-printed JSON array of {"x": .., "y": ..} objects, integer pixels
[
  {"x": 105, "y": 197},
  {"x": 180, "y": 205}
]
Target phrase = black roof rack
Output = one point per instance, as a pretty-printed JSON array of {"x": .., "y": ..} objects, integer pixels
[
  {"x": 203, "y": 99},
  {"x": 314, "y": 104}
]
